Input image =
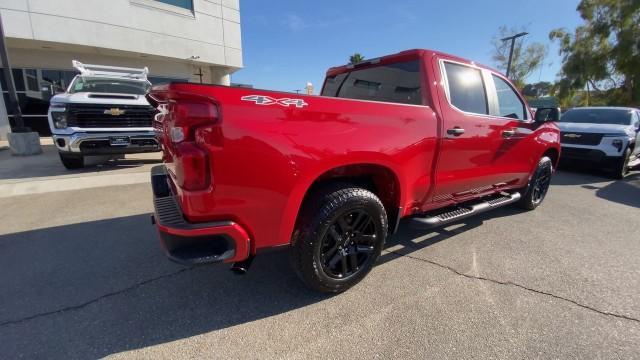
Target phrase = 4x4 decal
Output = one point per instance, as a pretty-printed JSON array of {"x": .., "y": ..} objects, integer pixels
[{"x": 268, "y": 100}]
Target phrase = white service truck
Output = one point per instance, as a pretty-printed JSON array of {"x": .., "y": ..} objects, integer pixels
[{"x": 103, "y": 112}]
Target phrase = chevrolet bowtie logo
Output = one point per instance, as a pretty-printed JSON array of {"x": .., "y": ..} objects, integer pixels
[
  {"x": 114, "y": 112},
  {"x": 572, "y": 136}
]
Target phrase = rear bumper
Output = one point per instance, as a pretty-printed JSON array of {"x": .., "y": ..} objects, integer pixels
[
  {"x": 193, "y": 243},
  {"x": 98, "y": 143}
]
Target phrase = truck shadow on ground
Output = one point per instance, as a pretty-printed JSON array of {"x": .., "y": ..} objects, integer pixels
[
  {"x": 48, "y": 164},
  {"x": 625, "y": 191},
  {"x": 93, "y": 289}
]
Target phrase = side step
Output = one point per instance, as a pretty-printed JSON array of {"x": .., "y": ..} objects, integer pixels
[{"x": 464, "y": 211}]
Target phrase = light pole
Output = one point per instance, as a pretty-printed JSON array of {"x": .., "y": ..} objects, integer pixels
[
  {"x": 513, "y": 41},
  {"x": 22, "y": 140}
]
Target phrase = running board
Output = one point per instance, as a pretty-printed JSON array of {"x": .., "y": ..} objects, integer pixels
[{"x": 464, "y": 211}]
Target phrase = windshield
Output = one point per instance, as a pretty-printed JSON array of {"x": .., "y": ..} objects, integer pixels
[
  {"x": 597, "y": 116},
  {"x": 117, "y": 86}
]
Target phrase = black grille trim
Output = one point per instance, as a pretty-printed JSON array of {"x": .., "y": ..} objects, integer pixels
[
  {"x": 94, "y": 116},
  {"x": 580, "y": 138}
]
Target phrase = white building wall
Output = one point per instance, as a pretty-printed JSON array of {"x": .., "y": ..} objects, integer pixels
[
  {"x": 59, "y": 59},
  {"x": 172, "y": 41},
  {"x": 211, "y": 33}
]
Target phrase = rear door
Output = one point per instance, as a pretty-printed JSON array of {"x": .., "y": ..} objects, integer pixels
[{"x": 471, "y": 136}]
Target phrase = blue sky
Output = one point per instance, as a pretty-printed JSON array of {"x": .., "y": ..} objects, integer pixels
[{"x": 289, "y": 42}]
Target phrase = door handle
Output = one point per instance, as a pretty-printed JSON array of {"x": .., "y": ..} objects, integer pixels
[
  {"x": 508, "y": 133},
  {"x": 455, "y": 131}
]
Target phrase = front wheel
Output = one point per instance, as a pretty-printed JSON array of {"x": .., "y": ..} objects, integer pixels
[
  {"x": 533, "y": 195},
  {"x": 339, "y": 237},
  {"x": 622, "y": 167}
]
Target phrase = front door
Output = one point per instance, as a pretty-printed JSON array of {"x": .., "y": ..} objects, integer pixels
[{"x": 514, "y": 156}]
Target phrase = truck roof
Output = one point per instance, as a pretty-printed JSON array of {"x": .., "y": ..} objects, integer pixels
[{"x": 403, "y": 56}]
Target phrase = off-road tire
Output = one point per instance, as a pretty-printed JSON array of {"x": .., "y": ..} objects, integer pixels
[
  {"x": 531, "y": 197},
  {"x": 72, "y": 161},
  {"x": 323, "y": 210}
]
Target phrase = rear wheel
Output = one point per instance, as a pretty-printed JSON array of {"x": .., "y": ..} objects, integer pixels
[
  {"x": 339, "y": 237},
  {"x": 533, "y": 195},
  {"x": 622, "y": 167},
  {"x": 72, "y": 161}
]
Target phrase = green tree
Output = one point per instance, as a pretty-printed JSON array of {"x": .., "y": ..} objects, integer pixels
[
  {"x": 526, "y": 58},
  {"x": 356, "y": 58},
  {"x": 539, "y": 89},
  {"x": 602, "y": 54}
]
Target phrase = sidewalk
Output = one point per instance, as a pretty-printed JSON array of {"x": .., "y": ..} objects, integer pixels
[{"x": 20, "y": 175}]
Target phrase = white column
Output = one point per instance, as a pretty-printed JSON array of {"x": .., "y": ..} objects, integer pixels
[
  {"x": 220, "y": 76},
  {"x": 5, "y": 127}
]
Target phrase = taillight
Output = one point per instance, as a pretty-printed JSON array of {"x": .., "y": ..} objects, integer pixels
[
  {"x": 188, "y": 115},
  {"x": 191, "y": 167},
  {"x": 189, "y": 120}
]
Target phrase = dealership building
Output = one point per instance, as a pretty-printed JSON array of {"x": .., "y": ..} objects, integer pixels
[{"x": 181, "y": 40}]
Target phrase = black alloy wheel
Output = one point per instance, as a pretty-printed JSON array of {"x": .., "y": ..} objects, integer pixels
[
  {"x": 541, "y": 185},
  {"x": 622, "y": 168},
  {"x": 535, "y": 192},
  {"x": 348, "y": 244}
]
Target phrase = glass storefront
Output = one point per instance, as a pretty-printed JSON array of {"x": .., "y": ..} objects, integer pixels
[{"x": 35, "y": 87}]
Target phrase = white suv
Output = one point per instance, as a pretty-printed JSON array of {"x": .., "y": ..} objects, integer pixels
[
  {"x": 103, "y": 112},
  {"x": 606, "y": 136}
]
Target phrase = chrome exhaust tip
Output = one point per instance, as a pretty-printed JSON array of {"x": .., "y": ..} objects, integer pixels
[{"x": 241, "y": 267}]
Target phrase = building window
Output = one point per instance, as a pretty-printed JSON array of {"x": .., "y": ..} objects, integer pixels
[
  {"x": 32, "y": 79},
  {"x": 34, "y": 88},
  {"x": 185, "y": 4}
]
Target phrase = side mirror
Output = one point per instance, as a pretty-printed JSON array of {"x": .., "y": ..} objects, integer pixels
[{"x": 547, "y": 114}]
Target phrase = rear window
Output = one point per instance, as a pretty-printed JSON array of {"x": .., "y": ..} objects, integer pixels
[
  {"x": 395, "y": 83},
  {"x": 598, "y": 116},
  {"x": 466, "y": 88}
]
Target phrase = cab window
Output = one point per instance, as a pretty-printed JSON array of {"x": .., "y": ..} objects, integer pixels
[
  {"x": 466, "y": 88},
  {"x": 394, "y": 83},
  {"x": 509, "y": 103}
]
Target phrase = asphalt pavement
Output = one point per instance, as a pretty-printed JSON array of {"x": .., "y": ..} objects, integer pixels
[{"x": 82, "y": 276}]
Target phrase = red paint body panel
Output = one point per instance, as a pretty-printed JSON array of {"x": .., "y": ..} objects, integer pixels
[{"x": 262, "y": 159}]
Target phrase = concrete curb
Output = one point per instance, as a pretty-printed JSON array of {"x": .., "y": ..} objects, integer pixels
[{"x": 75, "y": 183}]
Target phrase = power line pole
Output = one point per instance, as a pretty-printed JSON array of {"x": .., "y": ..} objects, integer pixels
[
  {"x": 513, "y": 42},
  {"x": 200, "y": 74},
  {"x": 8, "y": 76}
]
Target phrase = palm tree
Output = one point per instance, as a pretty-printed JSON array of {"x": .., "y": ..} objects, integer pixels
[{"x": 355, "y": 58}]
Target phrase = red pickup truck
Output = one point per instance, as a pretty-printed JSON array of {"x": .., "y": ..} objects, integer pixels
[{"x": 419, "y": 134}]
